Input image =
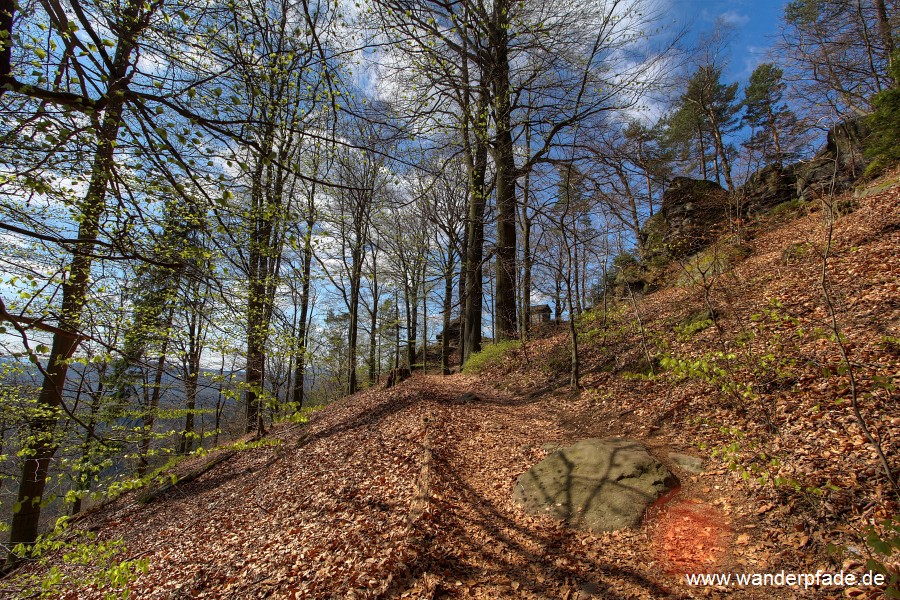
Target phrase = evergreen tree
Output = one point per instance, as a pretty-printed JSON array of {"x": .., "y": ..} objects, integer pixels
[
  {"x": 884, "y": 143},
  {"x": 714, "y": 103},
  {"x": 769, "y": 117}
]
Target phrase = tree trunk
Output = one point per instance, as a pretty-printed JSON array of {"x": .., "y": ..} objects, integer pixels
[
  {"x": 475, "y": 254},
  {"x": 41, "y": 446},
  {"x": 149, "y": 417},
  {"x": 720, "y": 150},
  {"x": 527, "y": 259},
  {"x": 887, "y": 37},
  {"x": 504, "y": 161},
  {"x": 702, "y": 148},
  {"x": 355, "y": 279},
  {"x": 300, "y": 349},
  {"x": 448, "y": 307},
  {"x": 191, "y": 373},
  {"x": 373, "y": 342},
  {"x": 412, "y": 316},
  {"x": 424, "y": 325}
]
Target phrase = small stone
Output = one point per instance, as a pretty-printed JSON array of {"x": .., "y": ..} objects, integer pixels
[{"x": 686, "y": 462}]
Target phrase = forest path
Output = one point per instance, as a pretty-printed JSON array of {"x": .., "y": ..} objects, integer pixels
[
  {"x": 476, "y": 543},
  {"x": 406, "y": 493}
]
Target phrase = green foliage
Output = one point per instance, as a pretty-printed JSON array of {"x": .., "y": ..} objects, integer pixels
[
  {"x": 302, "y": 415},
  {"x": 789, "y": 210},
  {"x": 766, "y": 114},
  {"x": 740, "y": 373},
  {"x": 89, "y": 563},
  {"x": 884, "y": 542},
  {"x": 711, "y": 368},
  {"x": 491, "y": 355},
  {"x": 654, "y": 249},
  {"x": 884, "y": 141},
  {"x": 706, "y": 105},
  {"x": 796, "y": 252},
  {"x": 695, "y": 322},
  {"x": 711, "y": 262},
  {"x": 626, "y": 269}
]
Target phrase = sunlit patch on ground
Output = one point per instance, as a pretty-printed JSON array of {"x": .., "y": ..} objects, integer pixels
[{"x": 690, "y": 536}]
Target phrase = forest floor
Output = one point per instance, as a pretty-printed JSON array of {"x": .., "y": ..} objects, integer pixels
[{"x": 406, "y": 492}]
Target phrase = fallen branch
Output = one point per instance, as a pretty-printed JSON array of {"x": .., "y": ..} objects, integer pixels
[{"x": 152, "y": 494}]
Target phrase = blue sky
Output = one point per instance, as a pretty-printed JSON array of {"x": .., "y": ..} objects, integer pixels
[{"x": 755, "y": 23}]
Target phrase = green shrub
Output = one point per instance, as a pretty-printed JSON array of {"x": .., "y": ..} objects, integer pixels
[
  {"x": 695, "y": 322},
  {"x": 884, "y": 142},
  {"x": 796, "y": 253},
  {"x": 884, "y": 541},
  {"x": 655, "y": 250},
  {"x": 490, "y": 355},
  {"x": 789, "y": 210},
  {"x": 89, "y": 563},
  {"x": 713, "y": 261}
]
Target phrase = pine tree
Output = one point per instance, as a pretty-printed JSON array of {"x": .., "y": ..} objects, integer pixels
[
  {"x": 714, "y": 103},
  {"x": 769, "y": 117}
]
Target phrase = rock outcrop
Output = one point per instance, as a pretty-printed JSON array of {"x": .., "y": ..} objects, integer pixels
[
  {"x": 694, "y": 212},
  {"x": 768, "y": 187},
  {"x": 841, "y": 161},
  {"x": 452, "y": 331},
  {"x": 597, "y": 484},
  {"x": 690, "y": 218}
]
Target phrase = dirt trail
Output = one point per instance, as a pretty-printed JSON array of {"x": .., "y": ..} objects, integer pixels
[
  {"x": 477, "y": 543},
  {"x": 407, "y": 493}
]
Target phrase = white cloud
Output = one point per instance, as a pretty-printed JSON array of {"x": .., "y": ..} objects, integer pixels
[{"x": 733, "y": 18}]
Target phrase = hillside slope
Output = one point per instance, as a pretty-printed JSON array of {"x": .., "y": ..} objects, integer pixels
[{"x": 406, "y": 492}]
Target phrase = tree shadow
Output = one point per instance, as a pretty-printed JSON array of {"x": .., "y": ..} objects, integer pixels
[{"x": 502, "y": 546}]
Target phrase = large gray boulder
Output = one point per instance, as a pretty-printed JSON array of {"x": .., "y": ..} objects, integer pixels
[{"x": 601, "y": 484}]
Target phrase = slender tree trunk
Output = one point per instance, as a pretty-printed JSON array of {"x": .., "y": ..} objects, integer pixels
[
  {"x": 448, "y": 307},
  {"x": 424, "y": 325},
  {"x": 575, "y": 364},
  {"x": 300, "y": 351},
  {"x": 83, "y": 483},
  {"x": 396, "y": 332},
  {"x": 373, "y": 343},
  {"x": 557, "y": 297},
  {"x": 462, "y": 293},
  {"x": 575, "y": 269},
  {"x": 527, "y": 260},
  {"x": 355, "y": 280},
  {"x": 634, "y": 217},
  {"x": 412, "y": 314},
  {"x": 720, "y": 150},
  {"x": 41, "y": 445},
  {"x": 776, "y": 140},
  {"x": 257, "y": 327},
  {"x": 474, "y": 257},
  {"x": 702, "y": 148},
  {"x": 885, "y": 31},
  {"x": 191, "y": 374},
  {"x": 149, "y": 417}
]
